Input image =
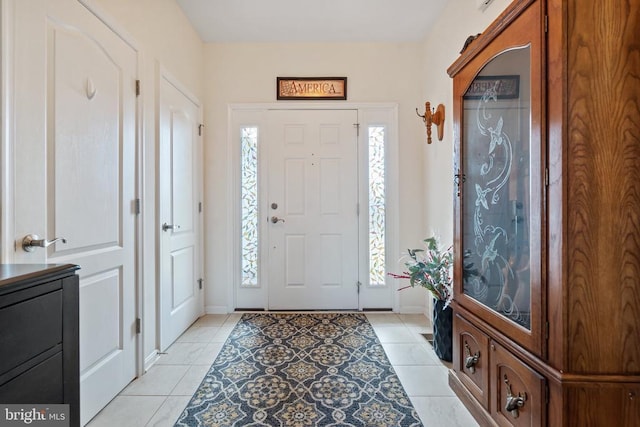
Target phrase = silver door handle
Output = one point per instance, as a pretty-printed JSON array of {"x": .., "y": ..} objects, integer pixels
[
  {"x": 166, "y": 227},
  {"x": 32, "y": 241},
  {"x": 275, "y": 219}
]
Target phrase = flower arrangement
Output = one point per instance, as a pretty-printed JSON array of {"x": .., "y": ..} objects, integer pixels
[{"x": 430, "y": 268}]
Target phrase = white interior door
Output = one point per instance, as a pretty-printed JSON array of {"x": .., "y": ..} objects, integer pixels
[
  {"x": 74, "y": 144},
  {"x": 312, "y": 209},
  {"x": 179, "y": 198}
]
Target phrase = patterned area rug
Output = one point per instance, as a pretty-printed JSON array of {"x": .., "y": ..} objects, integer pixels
[{"x": 301, "y": 370}]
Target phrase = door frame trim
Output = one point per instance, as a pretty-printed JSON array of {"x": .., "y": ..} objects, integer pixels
[
  {"x": 392, "y": 220},
  {"x": 7, "y": 135}
]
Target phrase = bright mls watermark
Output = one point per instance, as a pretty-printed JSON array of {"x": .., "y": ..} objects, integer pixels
[{"x": 34, "y": 415}]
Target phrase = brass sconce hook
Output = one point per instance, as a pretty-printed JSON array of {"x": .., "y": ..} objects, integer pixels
[{"x": 433, "y": 117}]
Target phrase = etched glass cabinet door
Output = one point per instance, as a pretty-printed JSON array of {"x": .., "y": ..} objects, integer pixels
[{"x": 500, "y": 182}]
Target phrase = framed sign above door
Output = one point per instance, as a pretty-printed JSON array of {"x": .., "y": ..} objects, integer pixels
[{"x": 311, "y": 88}]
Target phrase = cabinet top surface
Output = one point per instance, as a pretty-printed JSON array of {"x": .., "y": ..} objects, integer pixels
[{"x": 13, "y": 273}]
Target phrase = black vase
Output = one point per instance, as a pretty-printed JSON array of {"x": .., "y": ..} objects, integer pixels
[{"x": 443, "y": 331}]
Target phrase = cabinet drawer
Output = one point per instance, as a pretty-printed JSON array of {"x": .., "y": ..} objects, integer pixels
[
  {"x": 29, "y": 328},
  {"x": 517, "y": 391},
  {"x": 471, "y": 359},
  {"x": 41, "y": 384}
]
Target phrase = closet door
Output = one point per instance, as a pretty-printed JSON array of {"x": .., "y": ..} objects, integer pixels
[{"x": 74, "y": 148}]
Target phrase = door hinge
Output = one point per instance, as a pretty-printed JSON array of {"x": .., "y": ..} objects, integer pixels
[
  {"x": 546, "y": 177},
  {"x": 199, "y": 207},
  {"x": 136, "y": 207},
  {"x": 357, "y": 126},
  {"x": 546, "y": 330},
  {"x": 137, "y": 87},
  {"x": 546, "y": 23},
  {"x": 357, "y": 209},
  {"x": 200, "y": 126},
  {"x": 546, "y": 394},
  {"x": 138, "y": 325},
  {"x": 200, "y": 283}
]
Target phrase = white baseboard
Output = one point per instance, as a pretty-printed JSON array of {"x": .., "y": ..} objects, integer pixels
[
  {"x": 216, "y": 309},
  {"x": 150, "y": 360},
  {"x": 414, "y": 309},
  {"x": 407, "y": 309}
]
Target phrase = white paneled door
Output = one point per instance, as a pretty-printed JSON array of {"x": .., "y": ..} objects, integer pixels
[
  {"x": 73, "y": 110},
  {"x": 179, "y": 174},
  {"x": 312, "y": 209}
]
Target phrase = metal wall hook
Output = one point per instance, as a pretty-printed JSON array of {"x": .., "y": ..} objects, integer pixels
[
  {"x": 433, "y": 117},
  {"x": 91, "y": 89}
]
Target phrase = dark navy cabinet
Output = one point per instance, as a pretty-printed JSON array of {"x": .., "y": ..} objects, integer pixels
[{"x": 39, "y": 352}]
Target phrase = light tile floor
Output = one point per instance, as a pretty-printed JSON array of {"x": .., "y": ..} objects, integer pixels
[{"x": 159, "y": 397}]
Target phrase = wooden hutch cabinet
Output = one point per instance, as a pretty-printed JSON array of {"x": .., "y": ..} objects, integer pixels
[{"x": 547, "y": 216}]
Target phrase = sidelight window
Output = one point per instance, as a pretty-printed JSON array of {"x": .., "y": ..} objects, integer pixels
[
  {"x": 377, "y": 207},
  {"x": 249, "y": 196}
]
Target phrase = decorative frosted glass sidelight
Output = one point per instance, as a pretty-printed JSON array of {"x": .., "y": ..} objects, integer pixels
[
  {"x": 249, "y": 195},
  {"x": 377, "y": 270}
]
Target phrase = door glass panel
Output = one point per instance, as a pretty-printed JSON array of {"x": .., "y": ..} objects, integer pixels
[
  {"x": 496, "y": 207},
  {"x": 249, "y": 193},
  {"x": 377, "y": 206}
]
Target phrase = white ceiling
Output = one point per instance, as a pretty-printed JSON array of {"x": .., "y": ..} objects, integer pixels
[{"x": 312, "y": 21}]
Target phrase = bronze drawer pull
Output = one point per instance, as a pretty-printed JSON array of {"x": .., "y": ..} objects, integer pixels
[
  {"x": 470, "y": 361},
  {"x": 513, "y": 402}
]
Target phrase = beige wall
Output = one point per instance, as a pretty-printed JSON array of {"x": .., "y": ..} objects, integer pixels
[
  {"x": 408, "y": 74},
  {"x": 221, "y": 74},
  {"x": 246, "y": 73},
  {"x": 163, "y": 36},
  {"x": 459, "y": 20}
]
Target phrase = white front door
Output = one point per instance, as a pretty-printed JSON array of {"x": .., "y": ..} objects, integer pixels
[
  {"x": 312, "y": 209},
  {"x": 179, "y": 200},
  {"x": 73, "y": 140}
]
